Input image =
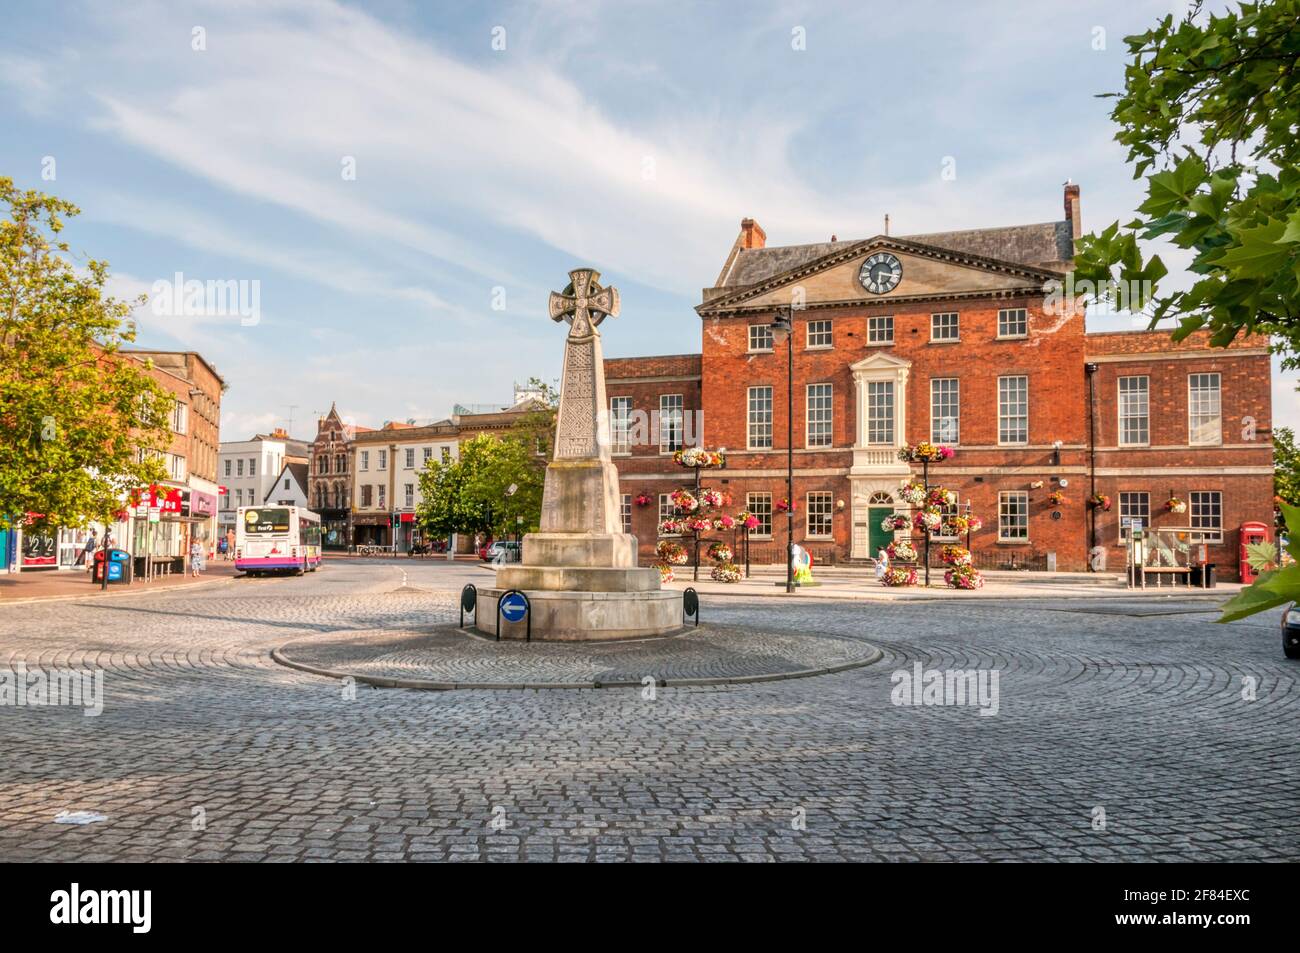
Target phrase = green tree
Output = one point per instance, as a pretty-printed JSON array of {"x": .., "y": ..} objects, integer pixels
[
  {"x": 536, "y": 427},
  {"x": 80, "y": 423},
  {"x": 472, "y": 494},
  {"x": 1286, "y": 466},
  {"x": 1209, "y": 113}
]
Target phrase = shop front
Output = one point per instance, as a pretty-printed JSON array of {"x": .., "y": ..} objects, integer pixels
[{"x": 164, "y": 521}]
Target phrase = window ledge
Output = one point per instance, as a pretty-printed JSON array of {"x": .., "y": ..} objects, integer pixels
[
  {"x": 945, "y": 340},
  {"x": 1013, "y": 542},
  {"x": 1011, "y": 337}
]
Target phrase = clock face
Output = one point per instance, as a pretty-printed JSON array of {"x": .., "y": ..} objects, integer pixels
[{"x": 881, "y": 273}]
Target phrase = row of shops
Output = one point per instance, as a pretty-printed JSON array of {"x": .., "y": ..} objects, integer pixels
[{"x": 157, "y": 523}]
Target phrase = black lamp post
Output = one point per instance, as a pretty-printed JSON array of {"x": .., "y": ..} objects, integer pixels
[{"x": 783, "y": 327}]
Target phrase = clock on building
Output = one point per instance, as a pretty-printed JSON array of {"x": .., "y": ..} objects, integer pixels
[{"x": 881, "y": 273}]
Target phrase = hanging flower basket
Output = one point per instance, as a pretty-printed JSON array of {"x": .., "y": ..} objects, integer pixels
[
  {"x": 712, "y": 498},
  {"x": 724, "y": 522},
  {"x": 1175, "y": 505},
  {"x": 955, "y": 555},
  {"x": 643, "y": 499},
  {"x": 963, "y": 577},
  {"x": 901, "y": 551},
  {"x": 671, "y": 553},
  {"x": 699, "y": 458},
  {"x": 925, "y": 452},
  {"x": 665, "y": 572},
  {"x": 720, "y": 552},
  {"x": 1057, "y": 498},
  {"x": 939, "y": 497},
  {"x": 684, "y": 501},
  {"x": 725, "y": 572},
  {"x": 894, "y": 522},
  {"x": 672, "y": 527},
  {"x": 783, "y": 505},
  {"x": 927, "y": 521},
  {"x": 1099, "y": 501},
  {"x": 967, "y": 523},
  {"x": 905, "y": 576},
  {"x": 913, "y": 494}
]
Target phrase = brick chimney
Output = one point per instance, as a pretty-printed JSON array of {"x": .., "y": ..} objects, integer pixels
[
  {"x": 1072, "y": 213},
  {"x": 752, "y": 234}
]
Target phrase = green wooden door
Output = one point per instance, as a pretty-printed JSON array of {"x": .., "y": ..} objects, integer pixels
[{"x": 878, "y": 536}]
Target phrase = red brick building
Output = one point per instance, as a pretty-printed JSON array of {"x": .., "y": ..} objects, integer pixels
[{"x": 954, "y": 338}]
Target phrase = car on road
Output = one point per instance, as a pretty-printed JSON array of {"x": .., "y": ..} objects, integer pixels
[
  {"x": 1291, "y": 631},
  {"x": 501, "y": 551}
]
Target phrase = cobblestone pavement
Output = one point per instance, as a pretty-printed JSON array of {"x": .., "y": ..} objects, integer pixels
[
  {"x": 1138, "y": 709},
  {"x": 443, "y": 657}
]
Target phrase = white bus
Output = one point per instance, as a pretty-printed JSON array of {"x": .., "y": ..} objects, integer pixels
[{"x": 277, "y": 539}]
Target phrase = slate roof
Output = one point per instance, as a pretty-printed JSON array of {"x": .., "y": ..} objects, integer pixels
[{"x": 1045, "y": 245}]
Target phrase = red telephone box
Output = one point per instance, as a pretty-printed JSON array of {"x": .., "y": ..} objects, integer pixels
[{"x": 1249, "y": 533}]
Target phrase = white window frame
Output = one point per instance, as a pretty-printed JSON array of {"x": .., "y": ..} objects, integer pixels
[
  {"x": 1126, "y": 413},
  {"x": 409, "y": 494},
  {"x": 666, "y": 512},
  {"x": 620, "y": 425},
  {"x": 760, "y": 506},
  {"x": 823, "y": 506},
  {"x": 365, "y": 459},
  {"x": 819, "y": 415},
  {"x": 1005, "y": 318},
  {"x": 751, "y": 421},
  {"x": 409, "y": 459},
  {"x": 939, "y": 320},
  {"x": 383, "y": 460},
  {"x": 935, "y": 436},
  {"x": 873, "y": 421},
  {"x": 1213, "y": 499},
  {"x": 1193, "y": 406},
  {"x": 888, "y": 326},
  {"x": 672, "y": 421},
  {"x": 823, "y": 327},
  {"x": 759, "y": 333},
  {"x": 1022, "y": 498},
  {"x": 1143, "y": 511},
  {"x": 625, "y": 512},
  {"x": 1003, "y": 416}
]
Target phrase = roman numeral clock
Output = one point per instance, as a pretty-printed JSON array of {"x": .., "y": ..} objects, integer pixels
[{"x": 881, "y": 273}]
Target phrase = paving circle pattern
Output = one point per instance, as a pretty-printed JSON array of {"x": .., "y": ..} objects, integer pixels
[{"x": 446, "y": 658}]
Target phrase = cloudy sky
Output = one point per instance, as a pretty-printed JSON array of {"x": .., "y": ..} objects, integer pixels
[{"x": 406, "y": 181}]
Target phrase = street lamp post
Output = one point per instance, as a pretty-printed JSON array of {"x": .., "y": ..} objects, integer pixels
[{"x": 783, "y": 327}]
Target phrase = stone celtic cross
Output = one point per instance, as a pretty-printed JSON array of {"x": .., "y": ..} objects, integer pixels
[
  {"x": 587, "y": 306},
  {"x": 582, "y": 424}
]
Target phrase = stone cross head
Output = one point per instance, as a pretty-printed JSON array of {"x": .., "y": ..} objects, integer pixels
[{"x": 587, "y": 306}]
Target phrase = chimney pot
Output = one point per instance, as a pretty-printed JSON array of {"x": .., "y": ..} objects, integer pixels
[
  {"x": 1073, "y": 214},
  {"x": 752, "y": 234}
]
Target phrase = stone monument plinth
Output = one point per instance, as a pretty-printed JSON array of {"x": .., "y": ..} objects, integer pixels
[{"x": 580, "y": 570}]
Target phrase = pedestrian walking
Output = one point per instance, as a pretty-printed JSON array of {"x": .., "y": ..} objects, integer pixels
[
  {"x": 196, "y": 558},
  {"x": 221, "y": 547},
  {"x": 230, "y": 544},
  {"x": 882, "y": 564},
  {"x": 88, "y": 552}
]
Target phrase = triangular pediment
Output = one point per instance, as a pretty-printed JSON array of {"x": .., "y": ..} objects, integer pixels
[
  {"x": 927, "y": 273},
  {"x": 880, "y": 361}
]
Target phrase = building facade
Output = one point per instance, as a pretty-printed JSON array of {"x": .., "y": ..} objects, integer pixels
[
  {"x": 386, "y": 465},
  {"x": 249, "y": 469},
  {"x": 961, "y": 339},
  {"x": 329, "y": 479}
]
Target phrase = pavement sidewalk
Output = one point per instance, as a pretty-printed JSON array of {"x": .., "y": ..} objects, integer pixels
[{"x": 54, "y": 584}]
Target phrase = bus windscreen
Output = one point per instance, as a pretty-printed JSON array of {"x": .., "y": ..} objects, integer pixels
[{"x": 266, "y": 521}]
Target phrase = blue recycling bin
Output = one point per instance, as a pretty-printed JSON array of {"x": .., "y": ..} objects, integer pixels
[{"x": 119, "y": 567}]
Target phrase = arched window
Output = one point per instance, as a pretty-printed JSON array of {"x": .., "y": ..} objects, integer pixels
[{"x": 880, "y": 498}]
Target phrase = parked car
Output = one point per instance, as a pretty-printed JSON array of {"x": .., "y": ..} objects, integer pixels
[
  {"x": 501, "y": 551},
  {"x": 1291, "y": 631}
]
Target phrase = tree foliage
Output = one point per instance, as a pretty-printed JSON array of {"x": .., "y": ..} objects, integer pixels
[
  {"x": 536, "y": 427},
  {"x": 1209, "y": 114},
  {"x": 471, "y": 493},
  {"x": 1286, "y": 466},
  {"x": 81, "y": 424}
]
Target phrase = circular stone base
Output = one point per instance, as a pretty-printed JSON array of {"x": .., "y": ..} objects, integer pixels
[{"x": 446, "y": 657}]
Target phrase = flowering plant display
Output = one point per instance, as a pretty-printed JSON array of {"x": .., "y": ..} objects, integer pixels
[
  {"x": 699, "y": 457},
  {"x": 1100, "y": 500},
  {"x": 968, "y": 523},
  {"x": 927, "y": 521},
  {"x": 725, "y": 572},
  {"x": 665, "y": 572},
  {"x": 720, "y": 552},
  {"x": 725, "y": 522},
  {"x": 714, "y": 498},
  {"x": 643, "y": 499},
  {"x": 901, "y": 550},
  {"x": 899, "y": 577},
  {"x": 963, "y": 577},
  {"x": 672, "y": 527},
  {"x": 1175, "y": 505},
  {"x": 672, "y": 553},
  {"x": 784, "y": 505},
  {"x": 684, "y": 501},
  {"x": 893, "y": 522},
  {"x": 913, "y": 494},
  {"x": 955, "y": 555},
  {"x": 925, "y": 452},
  {"x": 939, "y": 497},
  {"x": 1057, "y": 498},
  {"x": 699, "y": 524},
  {"x": 747, "y": 520}
]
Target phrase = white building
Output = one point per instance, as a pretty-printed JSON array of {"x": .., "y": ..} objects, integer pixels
[
  {"x": 249, "y": 469},
  {"x": 289, "y": 488}
]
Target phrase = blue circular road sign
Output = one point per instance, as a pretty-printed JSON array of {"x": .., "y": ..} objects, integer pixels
[{"x": 513, "y": 606}]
